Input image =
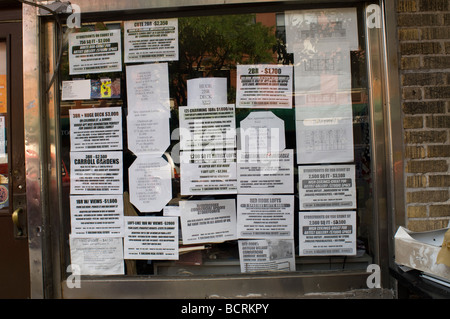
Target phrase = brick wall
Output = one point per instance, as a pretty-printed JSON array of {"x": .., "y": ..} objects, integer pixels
[{"x": 424, "y": 52}]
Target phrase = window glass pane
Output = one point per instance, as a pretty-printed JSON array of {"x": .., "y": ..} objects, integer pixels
[
  {"x": 4, "y": 188},
  {"x": 217, "y": 144}
]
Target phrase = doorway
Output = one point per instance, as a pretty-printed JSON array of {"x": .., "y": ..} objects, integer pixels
[{"x": 14, "y": 259}]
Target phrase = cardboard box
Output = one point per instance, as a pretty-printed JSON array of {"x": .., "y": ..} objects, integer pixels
[{"x": 418, "y": 250}]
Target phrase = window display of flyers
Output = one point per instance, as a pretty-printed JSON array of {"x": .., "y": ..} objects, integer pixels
[
  {"x": 151, "y": 238},
  {"x": 208, "y": 221},
  {"x": 97, "y": 256},
  {"x": 96, "y": 215},
  {"x": 76, "y": 90},
  {"x": 327, "y": 187},
  {"x": 207, "y": 127},
  {"x": 324, "y": 140},
  {"x": 96, "y": 173},
  {"x": 150, "y": 183},
  {"x": 262, "y": 132},
  {"x": 265, "y": 173},
  {"x": 95, "y": 52},
  {"x": 98, "y": 129},
  {"x": 204, "y": 172},
  {"x": 266, "y": 255},
  {"x": 265, "y": 216},
  {"x": 327, "y": 233},
  {"x": 264, "y": 86},
  {"x": 206, "y": 91},
  {"x": 151, "y": 40},
  {"x": 148, "y": 89},
  {"x": 148, "y": 134}
]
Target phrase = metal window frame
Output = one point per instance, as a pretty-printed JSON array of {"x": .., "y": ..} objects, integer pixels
[{"x": 43, "y": 164}]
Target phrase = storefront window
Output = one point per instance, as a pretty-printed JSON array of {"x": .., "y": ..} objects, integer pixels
[
  {"x": 4, "y": 181},
  {"x": 217, "y": 144}
]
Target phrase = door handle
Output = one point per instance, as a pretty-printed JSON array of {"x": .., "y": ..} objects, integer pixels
[{"x": 16, "y": 220}]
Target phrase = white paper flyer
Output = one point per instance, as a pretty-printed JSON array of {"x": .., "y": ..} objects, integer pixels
[
  {"x": 96, "y": 173},
  {"x": 96, "y": 215},
  {"x": 262, "y": 132},
  {"x": 206, "y": 91},
  {"x": 324, "y": 187},
  {"x": 151, "y": 40},
  {"x": 96, "y": 256},
  {"x": 98, "y": 129},
  {"x": 95, "y": 52},
  {"x": 205, "y": 173},
  {"x": 265, "y": 216},
  {"x": 148, "y": 134},
  {"x": 151, "y": 238},
  {"x": 260, "y": 255},
  {"x": 150, "y": 183},
  {"x": 208, "y": 221},
  {"x": 264, "y": 86},
  {"x": 207, "y": 127},
  {"x": 148, "y": 89},
  {"x": 327, "y": 233},
  {"x": 267, "y": 173}
]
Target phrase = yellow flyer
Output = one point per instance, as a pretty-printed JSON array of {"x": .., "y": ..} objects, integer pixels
[{"x": 3, "y": 94}]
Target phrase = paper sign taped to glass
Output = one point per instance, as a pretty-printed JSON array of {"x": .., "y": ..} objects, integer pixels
[
  {"x": 327, "y": 233},
  {"x": 264, "y": 86},
  {"x": 151, "y": 40},
  {"x": 96, "y": 129},
  {"x": 207, "y": 127},
  {"x": 208, "y": 172},
  {"x": 266, "y": 255},
  {"x": 148, "y": 89},
  {"x": 262, "y": 132},
  {"x": 95, "y": 52},
  {"x": 151, "y": 238},
  {"x": 150, "y": 182},
  {"x": 321, "y": 41},
  {"x": 208, "y": 221},
  {"x": 148, "y": 134},
  {"x": 96, "y": 172},
  {"x": 206, "y": 91},
  {"x": 97, "y": 256},
  {"x": 96, "y": 215}
]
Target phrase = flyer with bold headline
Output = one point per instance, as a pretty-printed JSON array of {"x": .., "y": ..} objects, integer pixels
[
  {"x": 265, "y": 216},
  {"x": 151, "y": 238},
  {"x": 207, "y": 127},
  {"x": 327, "y": 233},
  {"x": 96, "y": 215},
  {"x": 323, "y": 187},
  {"x": 95, "y": 52},
  {"x": 151, "y": 40},
  {"x": 96, "y": 173},
  {"x": 98, "y": 129},
  {"x": 264, "y": 86}
]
